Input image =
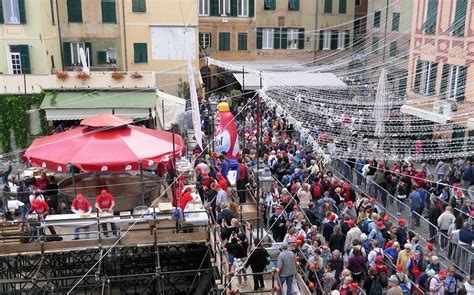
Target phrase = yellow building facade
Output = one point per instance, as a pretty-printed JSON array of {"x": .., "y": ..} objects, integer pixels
[{"x": 29, "y": 37}]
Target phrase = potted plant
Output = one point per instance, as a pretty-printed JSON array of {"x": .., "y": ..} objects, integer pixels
[
  {"x": 118, "y": 75},
  {"x": 454, "y": 107},
  {"x": 62, "y": 75},
  {"x": 81, "y": 75},
  {"x": 136, "y": 75}
]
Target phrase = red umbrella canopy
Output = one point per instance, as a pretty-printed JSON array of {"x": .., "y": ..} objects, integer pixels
[
  {"x": 115, "y": 149},
  {"x": 107, "y": 120}
]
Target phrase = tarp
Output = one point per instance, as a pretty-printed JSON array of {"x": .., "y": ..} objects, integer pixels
[
  {"x": 103, "y": 149},
  {"x": 424, "y": 114},
  {"x": 173, "y": 107},
  {"x": 78, "y": 105},
  {"x": 289, "y": 79}
]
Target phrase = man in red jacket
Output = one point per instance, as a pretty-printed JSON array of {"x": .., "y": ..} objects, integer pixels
[
  {"x": 81, "y": 205},
  {"x": 105, "y": 203},
  {"x": 41, "y": 208}
]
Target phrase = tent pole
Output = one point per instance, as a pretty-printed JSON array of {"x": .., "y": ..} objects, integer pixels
[
  {"x": 163, "y": 112},
  {"x": 73, "y": 180},
  {"x": 142, "y": 182}
]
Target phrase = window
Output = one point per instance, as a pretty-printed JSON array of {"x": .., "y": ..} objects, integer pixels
[
  {"x": 429, "y": 27},
  {"x": 342, "y": 6},
  {"x": 457, "y": 27},
  {"x": 393, "y": 48},
  {"x": 224, "y": 41},
  {"x": 267, "y": 39},
  {"x": 293, "y": 5},
  {"x": 224, "y": 7},
  {"x": 357, "y": 26},
  {"x": 425, "y": 77},
  {"x": 140, "y": 53},
  {"x": 243, "y": 7},
  {"x": 326, "y": 40},
  {"x": 75, "y": 51},
  {"x": 269, "y": 4},
  {"x": 242, "y": 41},
  {"x": 12, "y": 12},
  {"x": 395, "y": 21},
  {"x": 375, "y": 45},
  {"x": 357, "y": 2},
  {"x": 108, "y": 56},
  {"x": 377, "y": 19},
  {"x": 108, "y": 11},
  {"x": 138, "y": 5},
  {"x": 205, "y": 40},
  {"x": 453, "y": 82},
  {"x": 292, "y": 39},
  {"x": 341, "y": 39},
  {"x": 203, "y": 7},
  {"x": 74, "y": 11},
  {"x": 327, "y": 6}
]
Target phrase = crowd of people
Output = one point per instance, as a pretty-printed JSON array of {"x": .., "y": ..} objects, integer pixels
[{"x": 338, "y": 236}]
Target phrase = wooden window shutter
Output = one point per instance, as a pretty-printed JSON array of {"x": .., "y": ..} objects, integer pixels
[
  {"x": 25, "y": 59},
  {"x": 22, "y": 10},
  {"x": 301, "y": 38}
]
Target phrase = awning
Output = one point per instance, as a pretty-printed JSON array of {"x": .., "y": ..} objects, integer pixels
[
  {"x": 83, "y": 104},
  {"x": 172, "y": 105},
  {"x": 424, "y": 114},
  {"x": 289, "y": 79}
]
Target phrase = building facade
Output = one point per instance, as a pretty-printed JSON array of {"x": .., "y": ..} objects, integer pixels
[
  {"x": 440, "y": 68},
  {"x": 29, "y": 37},
  {"x": 388, "y": 41},
  {"x": 360, "y": 24}
]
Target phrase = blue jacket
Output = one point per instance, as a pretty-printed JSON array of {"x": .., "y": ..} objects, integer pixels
[{"x": 416, "y": 201}]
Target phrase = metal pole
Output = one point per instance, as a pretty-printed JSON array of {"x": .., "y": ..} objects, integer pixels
[
  {"x": 257, "y": 196},
  {"x": 163, "y": 112},
  {"x": 243, "y": 129},
  {"x": 385, "y": 33},
  {"x": 142, "y": 182},
  {"x": 73, "y": 180}
]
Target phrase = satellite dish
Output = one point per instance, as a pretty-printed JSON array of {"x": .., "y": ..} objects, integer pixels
[{"x": 82, "y": 57}]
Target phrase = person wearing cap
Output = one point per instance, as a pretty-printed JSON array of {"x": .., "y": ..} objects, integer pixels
[
  {"x": 221, "y": 197},
  {"x": 415, "y": 266},
  {"x": 393, "y": 287},
  {"x": 451, "y": 281},
  {"x": 105, "y": 203},
  {"x": 349, "y": 210},
  {"x": 80, "y": 205},
  {"x": 328, "y": 225},
  {"x": 376, "y": 234},
  {"x": 278, "y": 224},
  {"x": 437, "y": 283},
  {"x": 185, "y": 198},
  {"x": 286, "y": 265},
  {"x": 402, "y": 234},
  {"x": 221, "y": 181}
]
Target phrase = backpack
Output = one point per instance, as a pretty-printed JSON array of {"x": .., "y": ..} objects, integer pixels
[
  {"x": 428, "y": 282},
  {"x": 403, "y": 286},
  {"x": 376, "y": 288},
  {"x": 383, "y": 279},
  {"x": 364, "y": 226}
]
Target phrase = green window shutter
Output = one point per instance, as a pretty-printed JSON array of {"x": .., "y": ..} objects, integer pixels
[
  {"x": 2, "y": 20},
  {"x": 242, "y": 41},
  {"x": 402, "y": 86},
  {"x": 224, "y": 41},
  {"x": 444, "y": 80},
  {"x": 395, "y": 21},
  {"x": 431, "y": 16},
  {"x": 108, "y": 11},
  {"x": 334, "y": 37},
  {"x": 138, "y": 5},
  {"x": 377, "y": 19},
  {"x": 89, "y": 47},
  {"x": 101, "y": 57},
  {"x": 74, "y": 11},
  {"x": 273, "y": 4},
  {"x": 293, "y": 5},
  {"x": 251, "y": 8},
  {"x": 284, "y": 38},
  {"x": 418, "y": 70},
  {"x": 233, "y": 7},
  {"x": 301, "y": 38},
  {"x": 67, "y": 54},
  {"x": 321, "y": 40},
  {"x": 393, "y": 48},
  {"x": 25, "y": 59},
  {"x": 214, "y": 7},
  {"x": 347, "y": 38},
  {"x": 259, "y": 38},
  {"x": 140, "y": 53},
  {"x": 460, "y": 95},
  {"x": 459, "y": 18},
  {"x": 276, "y": 38},
  {"x": 342, "y": 6},
  {"x": 433, "y": 74},
  {"x": 327, "y": 6},
  {"x": 22, "y": 10}
]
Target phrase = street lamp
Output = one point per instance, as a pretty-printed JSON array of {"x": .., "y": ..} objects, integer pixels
[
  {"x": 264, "y": 181},
  {"x": 213, "y": 108}
]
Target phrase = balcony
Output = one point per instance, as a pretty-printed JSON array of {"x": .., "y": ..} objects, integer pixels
[{"x": 15, "y": 84}]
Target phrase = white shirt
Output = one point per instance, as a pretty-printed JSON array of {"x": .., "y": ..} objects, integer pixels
[
  {"x": 435, "y": 281},
  {"x": 15, "y": 204}
]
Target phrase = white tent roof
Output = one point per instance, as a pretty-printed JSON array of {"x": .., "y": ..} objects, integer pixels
[
  {"x": 173, "y": 106},
  {"x": 288, "y": 79}
]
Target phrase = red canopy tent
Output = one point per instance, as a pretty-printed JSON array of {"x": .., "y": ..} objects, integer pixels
[{"x": 104, "y": 143}]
